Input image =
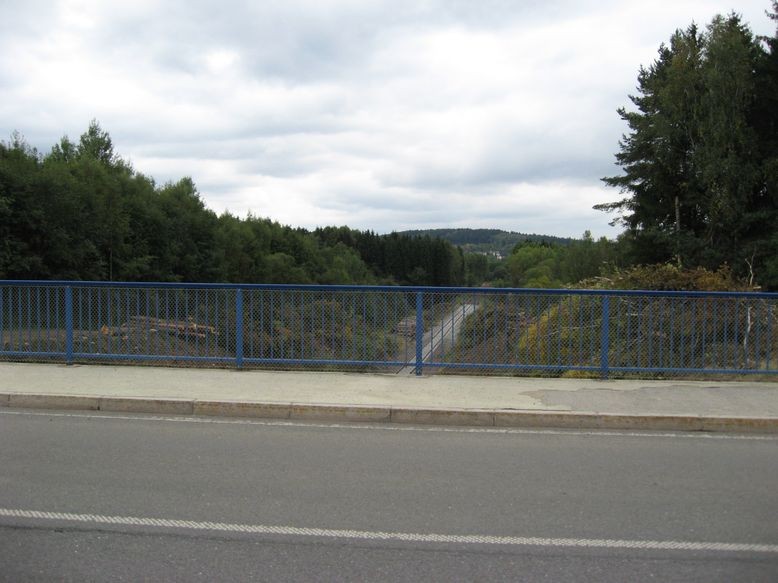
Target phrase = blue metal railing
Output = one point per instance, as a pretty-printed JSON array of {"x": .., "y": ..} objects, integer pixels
[{"x": 391, "y": 328}]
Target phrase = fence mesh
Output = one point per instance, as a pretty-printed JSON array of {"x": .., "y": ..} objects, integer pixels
[
  {"x": 402, "y": 330},
  {"x": 699, "y": 333},
  {"x": 153, "y": 324},
  {"x": 32, "y": 321},
  {"x": 522, "y": 332},
  {"x": 325, "y": 328}
]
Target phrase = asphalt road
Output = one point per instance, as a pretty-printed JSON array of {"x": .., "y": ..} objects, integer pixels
[{"x": 100, "y": 497}]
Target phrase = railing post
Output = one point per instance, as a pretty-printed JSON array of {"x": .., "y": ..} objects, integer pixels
[
  {"x": 2, "y": 333},
  {"x": 605, "y": 337},
  {"x": 419, "y": 333},
  {"x": 239, "y": 328},
  {"x": 69, "y": 324}
]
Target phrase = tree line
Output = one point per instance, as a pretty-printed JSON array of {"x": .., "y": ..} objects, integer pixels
[
  {"x": 81, "y": 212},
  {"x": 489, "y": 241}
]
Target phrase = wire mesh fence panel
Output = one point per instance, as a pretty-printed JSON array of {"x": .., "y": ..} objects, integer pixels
[
  {"x": 719, "y": 334},
  {"x": 32, "y": 321},
  {"x": 337, "y": 328},
  {"x": 153, "y": 324},
  {"x": 444, "y": 317},
  {"x": 391, "y": 329},
  {"x": 531, "y": 332}
]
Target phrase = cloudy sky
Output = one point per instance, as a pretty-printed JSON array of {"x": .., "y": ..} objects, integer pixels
[{"x": 379, "y": 114}]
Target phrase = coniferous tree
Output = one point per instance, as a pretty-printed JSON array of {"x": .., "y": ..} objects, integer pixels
[{"x": 697, "y": 160}]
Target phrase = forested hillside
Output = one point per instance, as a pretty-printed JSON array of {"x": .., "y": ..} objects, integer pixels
[
  {"x": 82, "y": 212},
  {"x": 486, "y": 240}
]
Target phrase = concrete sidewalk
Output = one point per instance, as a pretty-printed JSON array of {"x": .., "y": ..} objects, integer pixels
[{"x": 437, "y": 399}]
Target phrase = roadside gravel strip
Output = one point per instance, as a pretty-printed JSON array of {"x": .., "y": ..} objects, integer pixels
[{"x": 476, "y": 539}]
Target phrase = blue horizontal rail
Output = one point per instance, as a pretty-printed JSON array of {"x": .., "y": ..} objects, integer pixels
[
  {"x": 383, "y": 288},
  {"x": 412, "y": 329}
]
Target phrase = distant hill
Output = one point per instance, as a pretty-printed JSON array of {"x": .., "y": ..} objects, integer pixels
[{"x": 486, "y": 240}]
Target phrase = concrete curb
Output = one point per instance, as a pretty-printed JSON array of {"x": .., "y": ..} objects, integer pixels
[
  {"x": 242, "y": 409},
  {"x": 428, "y": 416},
  {"x": 324, "y": 412},
  {"x": 388, "y": 414},
  {"x": 147, "y": 405},
  {"x": 78, "y": 402}
]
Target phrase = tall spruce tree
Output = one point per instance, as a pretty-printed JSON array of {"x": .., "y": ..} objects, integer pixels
[{"x": 696, "y": 163}]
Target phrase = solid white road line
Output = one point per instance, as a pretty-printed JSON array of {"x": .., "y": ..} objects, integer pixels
[
  {"x": 396, "y": 427},
  {"x": 368, "y": 535}
]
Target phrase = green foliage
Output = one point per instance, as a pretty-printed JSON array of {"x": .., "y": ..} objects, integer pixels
[
  {"x": 669, "y": 276},
  {"x": 534, "y": 265},
  {"x": 561, "y": 335},
  {"x": 404, "y": 259},
  {"x": 646, "y": 331},
  {"x": 700, "y": 160},
  {"x": 489, "y": 241},
  {"x": 476, "y": 268},
  {"x": 653, "y": 331},
  {"x": 82, "y": 212},
  {"x": 95, "y": 144},
  {"x": 544, "y": 265}
]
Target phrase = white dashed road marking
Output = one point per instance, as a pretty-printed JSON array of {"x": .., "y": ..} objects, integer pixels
[{"x": 367, "y": 535}]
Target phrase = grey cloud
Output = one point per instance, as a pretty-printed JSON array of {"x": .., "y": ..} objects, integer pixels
[{"x": 374, "y": 113}]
